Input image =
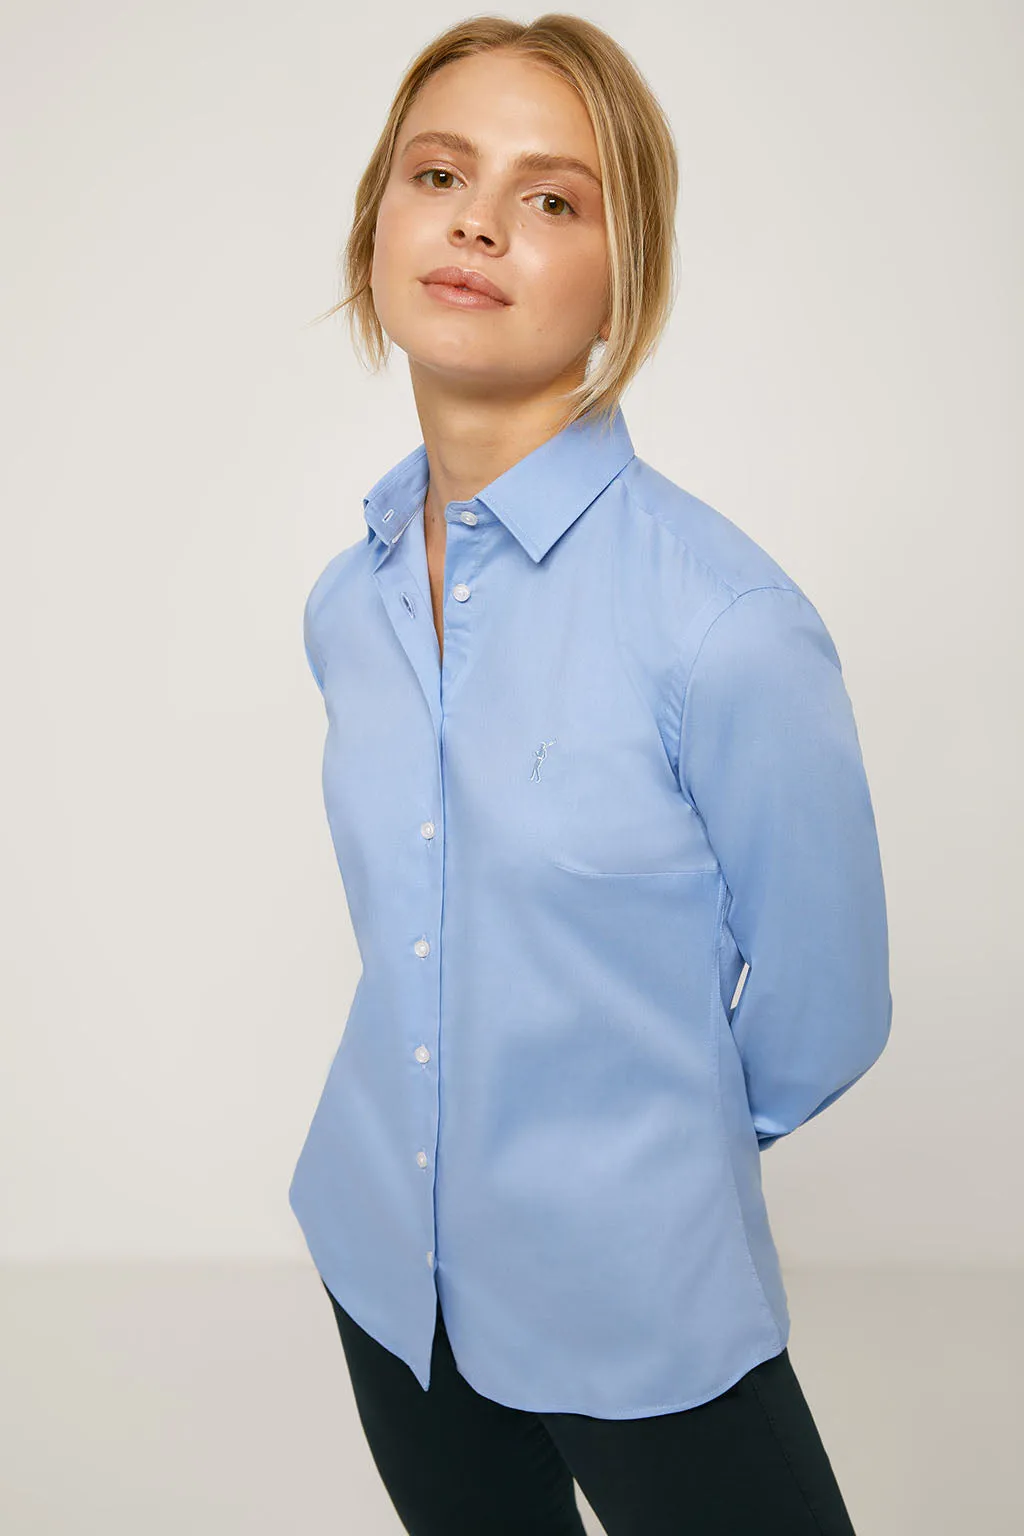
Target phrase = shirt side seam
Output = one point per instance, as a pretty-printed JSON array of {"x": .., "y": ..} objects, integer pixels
[{"x": 723, "y": 1135}]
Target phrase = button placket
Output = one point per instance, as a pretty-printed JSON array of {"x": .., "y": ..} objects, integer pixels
[
  {"x": 421, "y": 947},
  {"x": 460, "y": 592}
]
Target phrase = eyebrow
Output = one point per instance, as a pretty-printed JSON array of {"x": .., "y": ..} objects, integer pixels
[{"x": 532, "y": 160}]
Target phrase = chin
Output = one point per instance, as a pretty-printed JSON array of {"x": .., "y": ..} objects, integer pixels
[{"x": 445, "y": 346}]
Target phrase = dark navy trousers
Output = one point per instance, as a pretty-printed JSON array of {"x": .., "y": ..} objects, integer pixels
[{"x": 456, "y": 1463}]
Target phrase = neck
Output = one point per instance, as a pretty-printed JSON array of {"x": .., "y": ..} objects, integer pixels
[{"x": 470, "y": 440}]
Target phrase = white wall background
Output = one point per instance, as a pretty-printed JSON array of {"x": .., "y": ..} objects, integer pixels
[{"x": 842, "y": 377}]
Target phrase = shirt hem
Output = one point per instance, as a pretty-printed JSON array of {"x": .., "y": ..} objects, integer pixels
[{"x": 652, "y": 1410}]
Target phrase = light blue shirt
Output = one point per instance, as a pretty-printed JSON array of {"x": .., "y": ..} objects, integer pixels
[{"x": 635, "y": 778}]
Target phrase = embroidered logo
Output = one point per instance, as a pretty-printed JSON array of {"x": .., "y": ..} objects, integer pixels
[{"x": 539, "y": 755}]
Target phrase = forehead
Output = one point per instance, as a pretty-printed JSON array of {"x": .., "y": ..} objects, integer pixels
[{"x": 504, "y": 103}]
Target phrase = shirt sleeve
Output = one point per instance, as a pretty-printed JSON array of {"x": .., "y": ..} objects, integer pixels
[{"x": 770, "y": 758}]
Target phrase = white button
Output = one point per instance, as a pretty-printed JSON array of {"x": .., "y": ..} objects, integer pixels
[
  {"x": 430, "y": 1255},
  {"x": 421, "y": 1053},
  {"x": 460, "y": 591},
  {"x": 468, "y": 517},
  {"x": 427, "y": 829},
  {"x": 421, "y": 1158},
  {"x": 422, "y": 947}
]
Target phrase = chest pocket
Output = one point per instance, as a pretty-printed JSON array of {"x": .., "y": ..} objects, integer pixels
[{"x": 601, "y": 798}]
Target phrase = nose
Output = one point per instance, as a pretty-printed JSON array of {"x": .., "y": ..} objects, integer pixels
[{"x": 478, "y": 220}]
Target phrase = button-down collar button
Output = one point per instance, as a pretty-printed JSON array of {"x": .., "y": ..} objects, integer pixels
[
  {"x": 421, "y": 1053},
  {"x": 460, "y": 591},
  {"x": 422, "y": 947},
  {"x": 421, "y": 1158},
  {"x": 427, "y": 828},
  {"x": 468, "y": 517}
]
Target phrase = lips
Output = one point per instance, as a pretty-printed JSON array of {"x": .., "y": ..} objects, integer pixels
[{"x": 466, "y": 277}]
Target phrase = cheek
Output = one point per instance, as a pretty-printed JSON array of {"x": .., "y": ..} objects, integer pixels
[
  {"x": 570, "y": 287},
  {"x": 394, "y": 259},
  {"x": 400, "y": 226},
  {"x": 387, "y": 239}
]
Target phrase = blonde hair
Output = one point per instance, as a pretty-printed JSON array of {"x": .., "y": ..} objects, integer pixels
[{"x": 639, "y": 172}]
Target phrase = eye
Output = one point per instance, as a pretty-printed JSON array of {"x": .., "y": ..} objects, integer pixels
[
  {"x": 549, "y": 197},
  {"x": 556, "y": 197},
  {"x": 435, "y": 170}
]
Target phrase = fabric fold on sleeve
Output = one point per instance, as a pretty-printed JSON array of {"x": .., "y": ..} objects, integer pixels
[{"x": 309, "y": 639}]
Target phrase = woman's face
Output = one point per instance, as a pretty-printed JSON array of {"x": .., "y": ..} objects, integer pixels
[{"x": 457, "y": 197}]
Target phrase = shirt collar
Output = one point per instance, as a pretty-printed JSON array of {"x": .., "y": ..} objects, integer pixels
[{"x": 537, "y": 498}]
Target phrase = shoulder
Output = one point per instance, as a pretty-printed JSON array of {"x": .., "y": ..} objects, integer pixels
[
  {"x": 733, "y": 561},
  {"x": 722, "y": 569},
  {"x": 335, "y": 573}
]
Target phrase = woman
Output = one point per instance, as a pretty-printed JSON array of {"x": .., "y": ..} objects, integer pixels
[{"x": 590, "y": 763}]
